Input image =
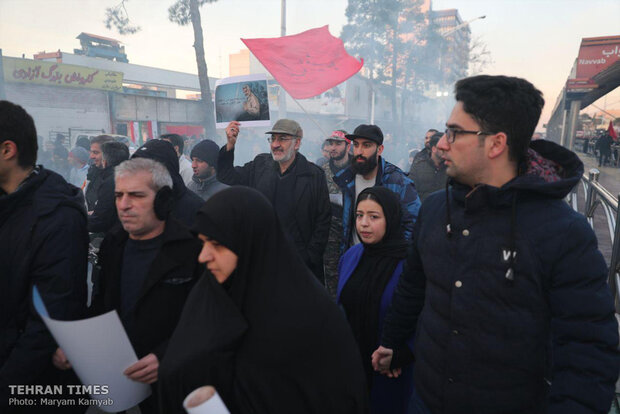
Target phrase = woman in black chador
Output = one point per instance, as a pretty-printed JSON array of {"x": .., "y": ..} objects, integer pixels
[{"x": 258, "y": 326}]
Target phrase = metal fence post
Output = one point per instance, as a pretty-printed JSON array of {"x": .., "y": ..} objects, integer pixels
[
  {"x": 593, "y": 175},
  {"x": 613, "y": 263}
]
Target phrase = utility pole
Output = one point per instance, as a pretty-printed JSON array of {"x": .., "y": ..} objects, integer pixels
[{"x": 282, "y": 94}]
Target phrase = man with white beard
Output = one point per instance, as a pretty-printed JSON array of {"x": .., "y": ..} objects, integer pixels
[{"x": 295, "y": 187}]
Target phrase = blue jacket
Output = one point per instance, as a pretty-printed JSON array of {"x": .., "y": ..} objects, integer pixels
[
  {"x": 387, "y": 395},
  {"x": 390, "y": 176},
  {"x": 540, "y": 339}
]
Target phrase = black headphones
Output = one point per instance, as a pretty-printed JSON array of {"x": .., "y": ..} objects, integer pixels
[{"x": 163, "y": 203}]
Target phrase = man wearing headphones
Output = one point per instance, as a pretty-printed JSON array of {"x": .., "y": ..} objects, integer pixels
[{"x": 148, "y": 267}]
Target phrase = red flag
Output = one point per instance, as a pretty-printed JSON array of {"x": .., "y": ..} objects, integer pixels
[
  {"x": 612, "y": 132},
  {"x": 306, "y": 64}
]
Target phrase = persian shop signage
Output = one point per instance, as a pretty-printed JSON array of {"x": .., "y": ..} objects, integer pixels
[
  {"x": 597, "y": 54},
  {"x": 58, "y": 74}
]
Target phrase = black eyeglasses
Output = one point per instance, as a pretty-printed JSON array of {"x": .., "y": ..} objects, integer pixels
[
  {"x": 451, "y": 133},
  {"x": 273, "y": 139}
]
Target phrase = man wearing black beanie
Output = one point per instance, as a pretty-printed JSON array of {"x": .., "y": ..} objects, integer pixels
[
  {"x": 204, "y": 163},
  {"x": 186, "y": 203}
]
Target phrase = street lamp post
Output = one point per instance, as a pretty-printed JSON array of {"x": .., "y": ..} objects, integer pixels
[{"x": 462, "y": 25}]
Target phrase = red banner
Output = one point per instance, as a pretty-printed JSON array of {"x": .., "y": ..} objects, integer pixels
[
  {"x": 611, "y": 131},
  {"x": 306, "y": 64}
]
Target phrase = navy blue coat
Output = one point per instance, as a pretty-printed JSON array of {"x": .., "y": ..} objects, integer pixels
[
  {"x": 43, "y": 242},
  {"x": 388, "y": 395},
  {"x": 545, "y": 341}
]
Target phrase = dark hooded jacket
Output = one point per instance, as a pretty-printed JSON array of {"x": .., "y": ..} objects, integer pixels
[
  {"x": 186, "y": 202},
  {"x": 269, "y": 339},
  {"x": 43, "y": 242},
  {"x": 529, "y": 332}
]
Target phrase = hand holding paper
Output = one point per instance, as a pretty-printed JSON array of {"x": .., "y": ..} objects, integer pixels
[
  {"x": 232, "y": 131},
  {"x": 60, "y": 361},
  {"x": 145, "y": 370},
  {"x": 204, "y": 400},
  {"x": 99, "y": 351}
]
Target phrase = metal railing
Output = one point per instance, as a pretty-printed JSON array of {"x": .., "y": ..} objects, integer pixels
[{"x": 598, "y": 196}]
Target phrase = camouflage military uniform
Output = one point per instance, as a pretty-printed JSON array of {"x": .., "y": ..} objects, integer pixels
[{"x": 332, "y": 251}]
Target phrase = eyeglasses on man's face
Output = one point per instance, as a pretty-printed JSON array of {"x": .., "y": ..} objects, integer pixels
[
  {"x": 451, "y": 133},
  {"x": 282, "y": 138}
]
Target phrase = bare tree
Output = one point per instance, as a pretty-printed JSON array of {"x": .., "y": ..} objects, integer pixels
[
  {"x": 182, "y": 12},
  {"x": 118, "y": 17},
  {"x": 479, "y": 56}
]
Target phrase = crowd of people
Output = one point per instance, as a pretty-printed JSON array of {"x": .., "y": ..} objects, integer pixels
[{"x": 465, "y": 285}]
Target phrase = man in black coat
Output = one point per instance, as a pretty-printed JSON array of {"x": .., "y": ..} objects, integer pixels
[
  {"x": 147, "y": 267},
  {"x": 186, "y": 202},
  {"x": 94, "y": 175},
  {"x": 504, "y": 287},
  {"x": 104, "y": 216},
  {"x": 604, "y": 147},
  {"x": 429, "y": 175},
  {"x": 295, "y": 187},
  {"x": 43, "y": 243}
]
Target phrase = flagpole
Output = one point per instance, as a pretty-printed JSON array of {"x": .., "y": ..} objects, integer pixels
[
  {"x": 282, "y": 95},
  {"x": 311, "y": 118}
]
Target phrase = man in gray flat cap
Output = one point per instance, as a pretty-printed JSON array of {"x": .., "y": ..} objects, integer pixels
[{"x": 296, "y": 187}]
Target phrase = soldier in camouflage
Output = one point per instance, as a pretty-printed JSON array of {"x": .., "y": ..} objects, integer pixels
[{"x": 338, "y": 148}]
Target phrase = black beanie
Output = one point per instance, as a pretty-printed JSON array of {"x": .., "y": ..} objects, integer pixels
[
  {"x": 206, "y": 151},
  {"x": 161, "y": 151}
]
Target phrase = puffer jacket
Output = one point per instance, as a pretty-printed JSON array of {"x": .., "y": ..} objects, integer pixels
[
  {"x": 506, "y": 290},
  {"x": 43, "y": 243}
]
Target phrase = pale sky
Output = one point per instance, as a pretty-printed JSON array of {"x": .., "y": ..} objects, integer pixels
[{"x": 534, "y": 39}]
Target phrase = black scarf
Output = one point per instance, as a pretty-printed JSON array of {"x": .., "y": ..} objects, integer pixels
[
  {"x": 269, "y": 339},
  {"x": 361, "y": 296}
]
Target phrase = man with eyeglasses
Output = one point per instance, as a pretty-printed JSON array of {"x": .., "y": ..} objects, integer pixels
[
  {"x": 295, "y": 187},
  {"x": 504, "y": 287},
  {"x": 369, "y": 169}
]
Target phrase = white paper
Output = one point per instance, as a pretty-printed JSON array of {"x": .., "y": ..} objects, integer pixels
[
  {"x": 99, "y": 351},
  {"x": 230, "y": 101},
  {"x": 213, "y": 405}
]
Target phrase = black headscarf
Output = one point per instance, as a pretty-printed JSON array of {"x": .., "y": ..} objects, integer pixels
[
  {"x": 270, "y": 340},
  {"x": 361, "y": 296}
]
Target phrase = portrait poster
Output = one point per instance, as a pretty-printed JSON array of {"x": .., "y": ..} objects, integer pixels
[{"x": 244, "y": 99}]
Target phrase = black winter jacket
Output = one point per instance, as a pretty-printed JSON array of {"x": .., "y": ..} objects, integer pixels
[
  {"x": 94, "y": 182},
  {"x": 104, "y": 215},
  {"x": 43, "y": 242},
  {"x": 542, "y": 339},
  {"x": 313, "y": 212},
  {"x": 171, "y": 276}
]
